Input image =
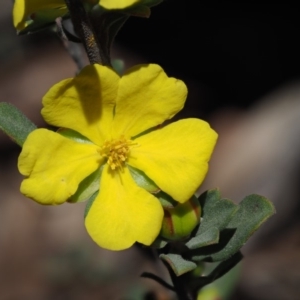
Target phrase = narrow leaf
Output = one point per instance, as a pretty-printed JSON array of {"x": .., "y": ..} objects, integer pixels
[
  {"x": 14, "y": 123},
  {"x": 42, "y": 20},
  {"x": 87, "y": 187},
  {"x": 89, "y": 203},
  {"x": 142, "y": 180}
]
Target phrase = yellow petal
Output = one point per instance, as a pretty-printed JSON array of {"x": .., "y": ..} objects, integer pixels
[
  {"x": 176, "y": 156},
  {"x": 123, "y": 213},
  {"x": 117, "y": 4},
  {"x": 146, "y": 98},
  {"x": 54, "y": 166},
  {"x": 85, "y": 103},
  {"x": 24, "y": 8}
]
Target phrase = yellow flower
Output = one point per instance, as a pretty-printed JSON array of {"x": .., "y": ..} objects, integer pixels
[
  {"x": 114, "y": 114},
  {"x": 23, "y": 9}
]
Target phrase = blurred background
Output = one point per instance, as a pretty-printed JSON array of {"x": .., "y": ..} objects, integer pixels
[{"x": 241, "y": 64}]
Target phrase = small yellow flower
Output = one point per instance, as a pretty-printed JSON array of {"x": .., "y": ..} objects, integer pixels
[
  {"x": 113, "y": 113},
  {"x": 23, "y": 9}
]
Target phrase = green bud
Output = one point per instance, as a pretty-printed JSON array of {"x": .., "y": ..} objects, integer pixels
[{"x": 180, "y": 220}]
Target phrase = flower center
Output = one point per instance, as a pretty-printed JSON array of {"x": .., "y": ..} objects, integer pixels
[{"x": 116, "y": 151}]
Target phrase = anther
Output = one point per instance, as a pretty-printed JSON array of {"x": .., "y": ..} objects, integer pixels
[{"x": 116, "y": 151}]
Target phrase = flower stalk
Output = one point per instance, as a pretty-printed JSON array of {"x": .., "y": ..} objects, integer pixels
[{"x": 181, "y": 289}]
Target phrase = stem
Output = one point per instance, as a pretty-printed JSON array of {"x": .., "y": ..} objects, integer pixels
[
  {"x": 181, "y": 289},
  {"x": 157, "y": 279},
  {"x": 85, "y": 31}
]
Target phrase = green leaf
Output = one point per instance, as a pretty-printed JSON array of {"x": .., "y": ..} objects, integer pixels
[
  {"x": 111, "y": 24},
  {"x": 14, "y": 123},
  {"x": 42, "y": 19},
  {"x": 90, "y": 184},
  {"x": 209, "y": 237},
  {"x": 142, "y": 180},
  {"x": 73, "y": 135},
  {"x": 87, "y": 187},
  {"x": 90, "y": 203},
  {"x": 166, "y": 200},
  {"x": 216, "y": 212},
  {"x": 252, "y": 212},
  {"x": 159, "y": 243},
  {"x": 178, "y": 264},
  {"x": 107, "y": 23}
]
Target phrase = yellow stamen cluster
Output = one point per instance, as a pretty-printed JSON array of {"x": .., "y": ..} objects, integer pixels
[{"x": 116, "y": 151}]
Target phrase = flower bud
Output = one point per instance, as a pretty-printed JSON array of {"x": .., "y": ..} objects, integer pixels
[{"x": 180, "y": 220}]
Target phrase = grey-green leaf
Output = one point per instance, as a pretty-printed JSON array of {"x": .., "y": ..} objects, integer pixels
[
  {"x": 209, "y": 237},
  {"x": 87, "y": 187},
  {"x": 252, "y": 212},
  {"x": 215, "y": 212},
  {"x": 90, "y": 203},
  {"x": 73, "y": 135},
  {"x": 14, "y": 123},
  {"x": 178, "y": 264},
  {"x": 142, "y": 180}
]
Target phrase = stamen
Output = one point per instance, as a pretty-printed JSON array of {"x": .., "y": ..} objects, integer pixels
[{"x": 116, "y": 151}]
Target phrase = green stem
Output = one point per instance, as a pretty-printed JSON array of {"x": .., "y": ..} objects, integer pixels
[
  {"x": 85, "y": 31},
  {"x": 180, "y": 286}
]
